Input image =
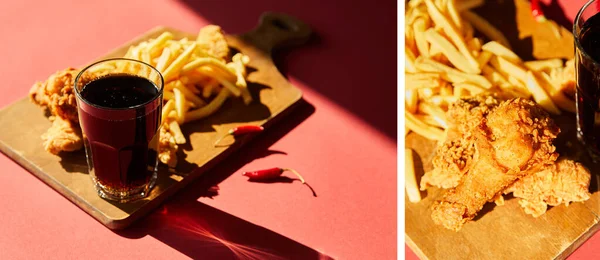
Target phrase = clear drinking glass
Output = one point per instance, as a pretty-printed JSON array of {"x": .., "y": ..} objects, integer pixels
[
  {"x": 586, "y": 31},
  {"x": 119, "y": 105}
]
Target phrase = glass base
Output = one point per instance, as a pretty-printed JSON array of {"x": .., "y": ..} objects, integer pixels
[{"x": 125, "y": 196}]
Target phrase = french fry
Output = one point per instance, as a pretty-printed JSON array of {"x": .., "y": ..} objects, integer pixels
[
  {"x": 426, "y": 93},
  {"x": 173, "y": 69},
  {"x": 209, "y": 109},
  {"x": 167, "y": 108},
  {"x": 419, "y": 28},
  {"x": 483, "y": 58},
  {"x": 435, "y": 53},
  {"x": 423, "y": 83},
  {"x": 446, "y": 89},
  {"x": 441, "y": 101},
  {"x": 179, "y": 105},
  {"x": 415, "y": 3},
  {"x": 176, "y": 131},
  {"x": 485, "y": 27},
  {"x": 440, "y": 4},
  {"x": 419, "y": 127},
  {"x": 207, "y": 89},
  {"x": 450, "y": 52},
  {"x": 459, "y": 92},
  {"x": 453, "y": 13},
  {"x": 539, "y": 94},
  {"x": 208, "y": 61},
  {"x": 515, "y": 82},
  {"x": 228, "y": 85},
  {"x": 501, "y": 50},
  {"x": 472, "y": 88},
  {"x": 506, "y": 68},
  {"x": 435, "y": 112},
  {"x": 516, "y": 92},
  {"x": 474, "y": 44},
  {"x": 409, "y": 39},
  {"x": 168, "y": 95},
  {"x": 406, "y": 131},
  {"x": 427, "y": 119},
  {"x": 188, "y": 94},
  {"x": 451, "y": 32},
  {"x": 162, "y": 62},
  {"x": 409, "y": 61},
  {"x": 411, "y": 100},
  {"x": 173, "y": 114},
  {"x": 155, "y": 46},
  {"x": 557, "y": 96},
  {"x": 543, "y": 65},
  {"x": 450, "y": 74},
  {"x": 412, "y": 189},
  {"x": 494, "y": 76}
]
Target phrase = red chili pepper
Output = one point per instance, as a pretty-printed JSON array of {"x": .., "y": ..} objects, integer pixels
[
  {"x": 240, "y": 130},
  {"x": 272, "y": 173},
  {"x": 537, "y": 12}
]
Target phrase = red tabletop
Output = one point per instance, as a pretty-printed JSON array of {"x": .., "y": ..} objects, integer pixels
[
  {"x": 563, "y": 11},
  {"x": 343, "y": 140}
]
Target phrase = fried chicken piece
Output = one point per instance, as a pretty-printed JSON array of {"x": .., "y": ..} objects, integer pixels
[
  {"x": 454, "y": 156},
  {"x": 513, "y": 141},
  {"x": 212, "y": 40},
  {"x": 562, "y": 182},
  {"x": 167, "y": 148},
  {"x": 62, "y": 136},
  {"x": 57, "y": 94}
]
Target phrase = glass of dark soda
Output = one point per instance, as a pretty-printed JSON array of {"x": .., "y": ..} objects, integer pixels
[
  {"x": 586, "y": 29},
  {"x": 119, "y": 105}
]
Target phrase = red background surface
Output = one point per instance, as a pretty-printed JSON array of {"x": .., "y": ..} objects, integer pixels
[
  {"x": 563, "y": 11},
  {"x": 343, "y": 141}
]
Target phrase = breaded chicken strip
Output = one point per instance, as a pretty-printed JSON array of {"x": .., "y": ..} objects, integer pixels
[
  {"x": 62, "y": 136},
  {"x": 562, "y": 182}
]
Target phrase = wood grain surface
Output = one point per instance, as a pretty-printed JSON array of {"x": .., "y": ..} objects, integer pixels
[
  {"x": 23, "y": 124},
  {"x": 506, "y": 232}
]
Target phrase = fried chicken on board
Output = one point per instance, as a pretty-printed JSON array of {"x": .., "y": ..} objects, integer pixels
[
  {"x": 513, "y": 141},
  {"x": 496, "y": 147}
]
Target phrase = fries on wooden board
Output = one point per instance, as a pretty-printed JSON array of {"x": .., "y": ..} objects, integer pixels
[
  {"x": 199, "y": 76},
  {"x": 445, "y": 62}
]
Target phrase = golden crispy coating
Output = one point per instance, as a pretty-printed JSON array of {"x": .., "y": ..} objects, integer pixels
[{"x": 513, "y": 141}]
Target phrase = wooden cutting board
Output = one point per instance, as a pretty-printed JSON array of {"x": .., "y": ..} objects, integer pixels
[
  {"x": 24, "y": 123},
  {"x": 506, "y": 232}
]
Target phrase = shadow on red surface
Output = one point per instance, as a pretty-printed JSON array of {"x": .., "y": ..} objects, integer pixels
[
  {"x": 200, "y": 231},
  {"x": 351, "y": 58}
]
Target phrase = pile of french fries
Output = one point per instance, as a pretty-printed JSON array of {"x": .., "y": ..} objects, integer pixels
[
  {"x": 445, "y": 62},
  {"x": 199, "y": 76}
]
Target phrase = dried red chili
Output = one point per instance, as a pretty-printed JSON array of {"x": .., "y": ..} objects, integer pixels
[
  {"x": 536, "y": 11},
  {"x": 240, "y": 130},
  {"x": 269, "y": 174}
]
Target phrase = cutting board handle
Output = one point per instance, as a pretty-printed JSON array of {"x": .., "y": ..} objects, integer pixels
[{"x": 277, "y": 30}]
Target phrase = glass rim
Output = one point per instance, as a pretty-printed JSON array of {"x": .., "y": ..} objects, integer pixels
[
  {"x": 578, "y": 45},
  {"x": 160, "y": 89}
]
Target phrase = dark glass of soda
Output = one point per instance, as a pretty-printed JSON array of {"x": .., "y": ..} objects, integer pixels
[
  {"x": 119, "y": 104},
  {"x": 586, "y": 29}
]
